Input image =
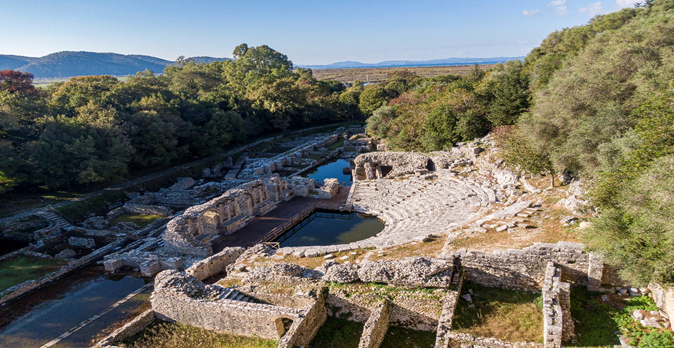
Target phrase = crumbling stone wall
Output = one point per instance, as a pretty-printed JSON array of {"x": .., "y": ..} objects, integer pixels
[
  {"x": 192, "y": 231},
  {"x": 377, "y": 165},
  {"x": 185, "y": 299},
  {"x": 459, "y": 339},
  {"x": 557, "y": 321},
  {"x": 449, "y": 304},
  {"x": 304, "y": 329},
  {"x": 215, "y": 264},
  {"x": 375, "y": 327},
  {"x": 405, "y": 311},
  {"x": 524, "y": 269}
]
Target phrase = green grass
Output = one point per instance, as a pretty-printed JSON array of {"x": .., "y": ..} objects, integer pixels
[
  {"x": 505, "y": 314},
  {"x": 597, "y": 322},
  {"x": 339, "y": 143},
  {"x": 18, "y": 270},
  {"x": 161, "y": 334},
  {"x": 99, "y": 205},
  {"x": 141, "y": 220},
  {"x": 338, "y": 333},
  {"x": 408, "y": 338}
]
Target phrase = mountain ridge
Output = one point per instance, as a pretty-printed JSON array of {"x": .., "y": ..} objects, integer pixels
[
  {"x": 82, "y": 63},
  {"x": 410, "y": 63}
]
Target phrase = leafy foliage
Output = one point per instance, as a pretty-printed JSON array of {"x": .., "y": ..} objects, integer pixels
[
  {"x": 598, "y": 321},
  {"x": 96, "y": 128}
]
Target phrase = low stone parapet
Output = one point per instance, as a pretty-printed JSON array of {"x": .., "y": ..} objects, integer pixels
[
  {"x": 458, "y": 339},
  {"x": 447, "y": 316},
  {"x": 215, "y": 264},
  {"x": 557, "y": 322},
  {"x": 524, "y": 269},
  {"x": 375, "y": 327}
]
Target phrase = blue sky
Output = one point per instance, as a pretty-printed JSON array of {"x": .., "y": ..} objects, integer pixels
[{"x": 308, "y": 31}]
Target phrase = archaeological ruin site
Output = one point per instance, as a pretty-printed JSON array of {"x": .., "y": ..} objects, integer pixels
[{"x": 233, "y": 251}]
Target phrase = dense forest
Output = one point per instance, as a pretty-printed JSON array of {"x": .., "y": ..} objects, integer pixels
[
  {"x": 595, "y": 101},
  {"x": 98, "y": 128}
]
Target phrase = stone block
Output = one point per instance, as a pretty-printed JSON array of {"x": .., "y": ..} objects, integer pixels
[
  {"x": 66, "y": 254},
  {"x": 112, "y": 265},
  {"x": 82, "y": 242},
  {"x": 150, "y": 268}
]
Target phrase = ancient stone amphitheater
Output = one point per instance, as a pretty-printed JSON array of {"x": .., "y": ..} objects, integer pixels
[{"x": 418, "y": 196}]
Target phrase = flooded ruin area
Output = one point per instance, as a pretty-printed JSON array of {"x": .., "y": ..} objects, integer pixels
[
  {"x": 41, "y": 318},
  {"x": 332, "y": 169},
  {"x": 331, "y": 227}
]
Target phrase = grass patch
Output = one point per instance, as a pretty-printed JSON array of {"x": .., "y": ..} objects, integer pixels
[
  {"x": 598, "y": 321},
  {"x": 505, "y": 314},
  {"x": 401, "y": 337},
  {"x": 18, "y": 270},
  {"x": 338, "y": 333},
  {"x": 99, "y": 205},
  {"x": 141, "y": 220},
  {"x": 336, "y": 145},
  {"x": 161, "y": 334}
]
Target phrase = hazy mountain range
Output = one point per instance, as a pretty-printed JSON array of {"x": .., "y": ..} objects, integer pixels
[
  {"x": 404, "y": 63},
  {"x": 68, "y": 64}
]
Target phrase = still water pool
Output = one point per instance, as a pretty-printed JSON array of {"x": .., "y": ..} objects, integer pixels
[
  {"x": 331, "y": 170},
  {"x": 328, "y": 228}
]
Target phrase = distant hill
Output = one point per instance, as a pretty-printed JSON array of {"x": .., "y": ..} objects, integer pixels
[
  {"x": 69, "y": 64},
  {"x": 403, "y": 63}
]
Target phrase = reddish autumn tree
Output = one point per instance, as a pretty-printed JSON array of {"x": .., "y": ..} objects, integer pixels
[{"x": 17, "y": 81}]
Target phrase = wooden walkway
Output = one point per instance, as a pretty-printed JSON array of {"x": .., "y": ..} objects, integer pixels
[{"x": 284, "y": 216}]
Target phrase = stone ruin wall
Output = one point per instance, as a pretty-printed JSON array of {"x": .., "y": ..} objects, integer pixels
[
  {"x": 377, "y": 165},
  {"x": 449, "y": 304},
  {"x": 376, "y": 327},
  {"x": 215, "y": 264},
  {"x": 371, "y": 166},
  {"x": 416, "y": 314},
  {"x": 190, "y": 232},
  {"x": 184, "y": 299},
  {"x": 524, "y": 269},
  {"x": 558, "y": 324},
  {"x": 303, "y": 331}
]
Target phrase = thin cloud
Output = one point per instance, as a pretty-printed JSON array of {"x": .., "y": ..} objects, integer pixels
[
  {"x": 591, "y": 9},
  {"x": 625, "y": 3},
  {"x": 530, "y": 12},
  {"x": 559, "y": 6}
]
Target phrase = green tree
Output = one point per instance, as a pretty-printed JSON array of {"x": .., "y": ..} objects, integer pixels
[{"x": 372, "y": 97}]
